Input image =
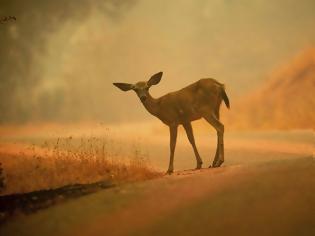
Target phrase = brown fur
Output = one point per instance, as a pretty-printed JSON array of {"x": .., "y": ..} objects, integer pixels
[{"x": 201, "y": 99}]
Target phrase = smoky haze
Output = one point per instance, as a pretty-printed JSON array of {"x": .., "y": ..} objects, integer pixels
[{"x": 59, "y": 59}]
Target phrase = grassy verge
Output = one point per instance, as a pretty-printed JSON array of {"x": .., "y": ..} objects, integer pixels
[{"x": 68, "y": 161}]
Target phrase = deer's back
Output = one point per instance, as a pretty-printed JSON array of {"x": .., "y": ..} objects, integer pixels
[{"x": 190, "y": 102}]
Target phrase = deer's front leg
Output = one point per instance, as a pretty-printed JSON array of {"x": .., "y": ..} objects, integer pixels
[
  {"x": 191, "y": 139},
  {"x": 173, "y": 137}
]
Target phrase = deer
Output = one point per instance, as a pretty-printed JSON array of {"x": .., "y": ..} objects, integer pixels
[{"x": 201, "y": 99}]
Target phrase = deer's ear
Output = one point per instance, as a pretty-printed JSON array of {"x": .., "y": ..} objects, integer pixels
[
  {"x": 124, "y": 86},
  {"x": 155, "y": 79}
]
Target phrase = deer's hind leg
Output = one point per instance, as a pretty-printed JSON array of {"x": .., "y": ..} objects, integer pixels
[
  {"x": 190, "y": 136},
  {"x": 214, "y": 121},
  {"x": 216, "y": 157}
]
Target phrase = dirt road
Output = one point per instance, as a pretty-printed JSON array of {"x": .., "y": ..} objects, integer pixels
[{"x": 271, "y": 198}]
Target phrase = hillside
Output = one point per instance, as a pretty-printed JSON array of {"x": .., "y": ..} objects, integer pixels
[{"x": 285, "y": 101}]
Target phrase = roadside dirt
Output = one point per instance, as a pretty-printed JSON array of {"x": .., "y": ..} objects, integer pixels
[
  {"x": 257, "y": 199},
  {"x": 265, "y": 187},
  {"x": 14, "y": 205}
]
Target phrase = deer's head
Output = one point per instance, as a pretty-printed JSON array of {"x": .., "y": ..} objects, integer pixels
[{"x": 141, "y": 88}]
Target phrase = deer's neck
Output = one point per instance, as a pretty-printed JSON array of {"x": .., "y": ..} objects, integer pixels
[{"x": 152, "y": 105}]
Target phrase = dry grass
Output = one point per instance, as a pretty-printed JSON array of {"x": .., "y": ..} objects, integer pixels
[
  {"x": 284, "y": 101},
  {"x": 65, "y": 161}
]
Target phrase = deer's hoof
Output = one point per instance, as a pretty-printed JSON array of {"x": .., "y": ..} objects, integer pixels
[
  {"x": 218, "y": 163},
  {"x": 199, "y": 165},
  {"x": 169, "y": 172}
]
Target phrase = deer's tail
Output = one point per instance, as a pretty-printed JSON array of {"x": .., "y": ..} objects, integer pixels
[{"x": 225, "y": 98}]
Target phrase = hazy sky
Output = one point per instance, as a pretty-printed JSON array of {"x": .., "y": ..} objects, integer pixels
[{"x": 236, "y": 42}]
